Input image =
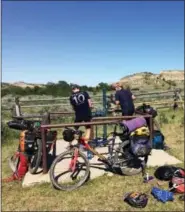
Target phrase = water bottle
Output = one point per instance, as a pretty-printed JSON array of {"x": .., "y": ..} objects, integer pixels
[{"x": 89, "y": 155}]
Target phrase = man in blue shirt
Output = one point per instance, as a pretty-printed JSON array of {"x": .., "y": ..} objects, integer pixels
[
  {"x": 81, "y": 103},
  {"x": 124, "y": 98}
]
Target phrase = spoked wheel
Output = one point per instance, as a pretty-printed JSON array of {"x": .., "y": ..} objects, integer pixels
[
  {"x": 69, "y": 170},
  {"x": 36, "y": 158},
  {"x": 126, "y": 164}
]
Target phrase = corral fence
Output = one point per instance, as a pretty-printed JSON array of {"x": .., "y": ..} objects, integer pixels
[
  {"x": 160, "y": 99},
  {"x": 103, "y": 105},
  {"x": 156, "y": 99}
]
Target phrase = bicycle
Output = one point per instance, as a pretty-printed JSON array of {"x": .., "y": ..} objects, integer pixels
[
  {"x": 119, "y": 160},
  {"x": 30, "y": 143}
]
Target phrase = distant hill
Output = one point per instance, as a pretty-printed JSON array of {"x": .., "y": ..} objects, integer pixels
[
  {"x": 21, "y": 84},
  {"x": 166, "y": 79},
  {"x": 147, "y": 80}
]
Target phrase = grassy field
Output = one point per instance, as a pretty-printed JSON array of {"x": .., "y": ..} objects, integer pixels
[{"x": 102, "y": 194}]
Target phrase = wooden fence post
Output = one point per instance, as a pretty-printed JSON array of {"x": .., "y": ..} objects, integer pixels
[
  {"x": 180, "y": 98},
  {"x": 17, "y": 107}
]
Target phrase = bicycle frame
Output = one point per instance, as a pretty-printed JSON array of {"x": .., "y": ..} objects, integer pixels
[{"x": 85, "y": 144}]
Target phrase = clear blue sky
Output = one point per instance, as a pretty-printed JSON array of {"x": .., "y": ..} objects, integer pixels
[{"x": 90, "y": 42}]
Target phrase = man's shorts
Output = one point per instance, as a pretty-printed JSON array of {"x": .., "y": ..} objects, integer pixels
[{"x": 85, "y": 119}]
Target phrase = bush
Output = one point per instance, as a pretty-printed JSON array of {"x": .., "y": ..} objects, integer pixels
[
  {"x": 163, "y": 118},
  {"x": 7, "y": 134}
]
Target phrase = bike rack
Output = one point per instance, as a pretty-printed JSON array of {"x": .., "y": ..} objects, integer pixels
[{"x": 95, "y": 121}]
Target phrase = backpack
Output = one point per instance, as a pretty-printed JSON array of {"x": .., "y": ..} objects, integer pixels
[
  {"x": 158, "y": 140},
  {"x": 140, "y": 142},
  {"x": 19, "y": 165},
  {"x": 147, "y": 109},
  {"x": 177, "y": 182}
]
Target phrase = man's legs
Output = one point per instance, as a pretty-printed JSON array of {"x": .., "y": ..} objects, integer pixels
[
  {"x": 88, "y": 127},
  {"x": 77, "y": 120},
  {"x": 128, "y": 113}
]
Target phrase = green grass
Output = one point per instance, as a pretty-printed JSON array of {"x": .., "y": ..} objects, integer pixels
[{"x": 101, "y": 194}]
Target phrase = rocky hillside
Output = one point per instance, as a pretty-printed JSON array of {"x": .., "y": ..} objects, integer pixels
[
  {"x": 164, "y": 80},
  {"x": 22, "y": 84}
]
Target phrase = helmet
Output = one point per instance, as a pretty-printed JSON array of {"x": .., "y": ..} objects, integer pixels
[{"x": 68, "y": 135}]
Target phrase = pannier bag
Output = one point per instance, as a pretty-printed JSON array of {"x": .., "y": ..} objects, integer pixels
[
  {"x": 26, "y": 141},
  {"x": 51, "y": 136},
  {"x": 140, "y": 142},
  {"x": 140, "y": 145},
  {"x": 158, "y": 140}
]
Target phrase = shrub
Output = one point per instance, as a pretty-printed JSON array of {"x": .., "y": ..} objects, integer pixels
[
  {"x": 7, "y": 134},
  {"x": 163, "y": 118}
]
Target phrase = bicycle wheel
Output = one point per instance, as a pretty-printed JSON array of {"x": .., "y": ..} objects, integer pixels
[
  {"x": 36, "y": 158},
  {"x": 70, "y": 180},
  {"x": 128, "y": 165}
]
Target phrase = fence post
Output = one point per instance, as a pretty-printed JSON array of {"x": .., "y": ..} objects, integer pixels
[
  {"x": 105, "y": 111},
  {"x": 180, "y": 97},
  {"x": 43, "y": 136},
  {"x": 17, "y": 107}
]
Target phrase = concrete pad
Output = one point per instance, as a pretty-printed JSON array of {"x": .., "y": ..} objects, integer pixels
[{"x": 157, "y": 158}]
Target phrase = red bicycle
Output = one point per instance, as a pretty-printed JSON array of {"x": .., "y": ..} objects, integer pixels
[{"x": 71, "y": 169}]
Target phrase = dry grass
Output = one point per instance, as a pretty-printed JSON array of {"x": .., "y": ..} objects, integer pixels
[{"x": 102, "y": 194}]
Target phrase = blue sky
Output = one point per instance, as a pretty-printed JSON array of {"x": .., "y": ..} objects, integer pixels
[{"x": 90, "y": 42}]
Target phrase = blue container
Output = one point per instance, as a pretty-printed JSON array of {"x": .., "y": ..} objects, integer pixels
[
  {"x": 158, "y": 140},
  {"x": 89, "y": 155}
]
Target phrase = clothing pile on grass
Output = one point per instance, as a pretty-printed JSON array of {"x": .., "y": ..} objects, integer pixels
[{"x": 174, "y": 176}]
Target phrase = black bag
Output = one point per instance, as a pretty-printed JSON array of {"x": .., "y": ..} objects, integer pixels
[
  {"x": 165, "y": 172},
  {"x": 30, "y": 138},
  {"x": 147, "y": 109},
  {"x": 20, "y": 124},
  {"x": 51, "y": 136},
  {"x": 136, "y": 199},
  {"x": 68, "y": 135}
]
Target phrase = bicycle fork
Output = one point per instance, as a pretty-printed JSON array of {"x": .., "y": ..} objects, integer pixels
[{"x": 72, "y": 165}]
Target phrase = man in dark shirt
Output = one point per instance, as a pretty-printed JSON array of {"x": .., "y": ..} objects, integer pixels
[
  {"x": 81, "y": 103},
  {"x": 124, "y": 98}
]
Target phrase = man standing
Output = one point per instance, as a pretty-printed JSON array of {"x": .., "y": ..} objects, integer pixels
[
  {"x": 124, "y": 98},
  {"x": 81, "y": 103}
]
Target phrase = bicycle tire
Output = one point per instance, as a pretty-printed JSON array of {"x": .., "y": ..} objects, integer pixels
[
  {"x": 38, "y": 155},
  {"x": 80, "y": 183},
  {"x": 126, "y": 170}
]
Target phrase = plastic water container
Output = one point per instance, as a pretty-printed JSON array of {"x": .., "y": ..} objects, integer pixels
[
  {"x": 158, "y": 140},
  {"x": 89, "y": 155}
]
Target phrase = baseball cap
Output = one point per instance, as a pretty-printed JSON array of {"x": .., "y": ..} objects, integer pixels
[{"x": 74, "y": 86}]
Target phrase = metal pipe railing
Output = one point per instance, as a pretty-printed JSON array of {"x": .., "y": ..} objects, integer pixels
[{"x": 96, "y": 121}]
